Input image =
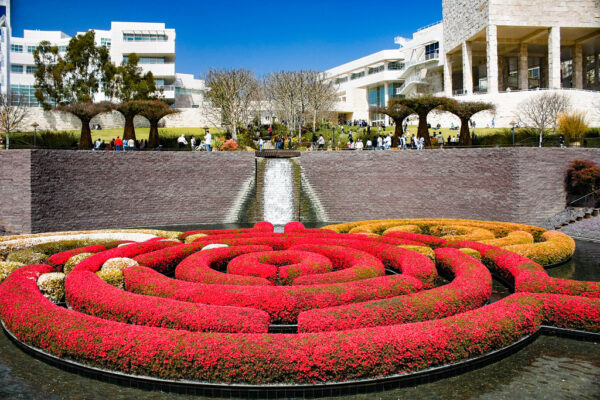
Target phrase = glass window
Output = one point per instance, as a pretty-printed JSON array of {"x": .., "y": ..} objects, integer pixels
[
  {"x": 31, "y": 49},
  {"x": 31, "y": 69},
  {"x": 375, "y": 70},
  {"x": 376, "y": 96},
  {"x": 24, "y": 94},
  {"x": 393, "y": 89},
  {"x": 395, "y": 65},
  {"x": 341, "y": 80},
  {"x": 105, "y": 42},
  {"x": 357, "y": 75},
  {"x": 62, "y": 49},
  {"x": 432, "y": 51},
  {"x": 16, "y": 48},
  {"x": 16, "y": 68},
  {"x": 147, "y": 60},
  {"x": 144, "y": 37}
]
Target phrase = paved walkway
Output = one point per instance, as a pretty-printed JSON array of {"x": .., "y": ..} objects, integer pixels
[{"x": 585, "y": 229}]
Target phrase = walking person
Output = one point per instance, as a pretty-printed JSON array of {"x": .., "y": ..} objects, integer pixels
[
  {"x": 208, "y": 141},
  {"x": 321, "y": 142},
  {"x": 118, "y": 144},
  {"x": 260, "y": 144}
]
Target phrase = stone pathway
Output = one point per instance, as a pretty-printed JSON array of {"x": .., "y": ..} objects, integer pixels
[{"x": 585, "y": 229}]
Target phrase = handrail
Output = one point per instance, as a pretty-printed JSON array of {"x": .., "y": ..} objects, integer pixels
[{"x": 583, "y": 197}]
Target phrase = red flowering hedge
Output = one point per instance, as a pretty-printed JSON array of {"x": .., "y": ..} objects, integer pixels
[
  {"x": 87, "y": 293},
  {"x": 280, "y": 266},
  {"x": 59, "y": 259},
  {"x": 372, "y": 327},
  {"x": 252, "y": 358},
  {"x": 206, "y": 266},
  {"x": 431, "y": 241},
  {"x": 527, "y": 276},
  {"x": 283, "y": 303},
  {"x": 470, "y": 288}
]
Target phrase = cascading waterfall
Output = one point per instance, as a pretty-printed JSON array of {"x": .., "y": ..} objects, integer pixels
[{"x": 278, "y": 192}]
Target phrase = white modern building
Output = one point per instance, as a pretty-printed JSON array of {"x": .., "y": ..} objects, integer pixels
[
  {"x": 500, "y": 51},
  {"x": 152, "y": 42}
]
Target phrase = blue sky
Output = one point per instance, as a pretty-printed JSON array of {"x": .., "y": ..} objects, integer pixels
[{"x": 263, "y": 36}]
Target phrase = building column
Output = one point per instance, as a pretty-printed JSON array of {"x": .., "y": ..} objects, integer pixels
[
  {"x": 578, "y": 67},
  {"x": 492, "y": 58},
  {"x": 554, "y": 58},
  {"x": 386, "y": 97},
  {"x": 467, "y": 57},
  {"x": 523, "y": 67},
  {"x": 448, "y": 76}
]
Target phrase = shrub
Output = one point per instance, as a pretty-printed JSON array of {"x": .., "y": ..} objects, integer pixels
[
  {"x": 52, "y": 286},
  {"x": 26, "y": 256},
  {"x": 229, "y": 145},
  {"x": 572, "y": 125},
  {"x": 582, "y": 178},
  {"x": 74, "y": 260},
  {"x": 7, "y": 268}
]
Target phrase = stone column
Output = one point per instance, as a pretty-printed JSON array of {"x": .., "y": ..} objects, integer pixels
[
  {"x": 492, "y": 58},
  {"x": 523, "y": 67},
  {"x": 448, "y": 76},
  {"x": 554, "y": 58},
  {"x": 578, "y": 67},
  {"x": 467, "y": 56}
]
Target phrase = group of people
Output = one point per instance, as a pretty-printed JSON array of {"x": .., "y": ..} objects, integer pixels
[
  {"x": 119, "y": 144},
  {"x": 197, "y": 144}
]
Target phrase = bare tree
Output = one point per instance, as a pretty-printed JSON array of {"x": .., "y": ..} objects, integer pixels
[
  {"x": 542, "y": 111},
  {"x": 233, "y": 92},
  {"x": 321, "y": 95},
  {"x": 283, "y": 91},
  {"x": 12, "y": 112}
]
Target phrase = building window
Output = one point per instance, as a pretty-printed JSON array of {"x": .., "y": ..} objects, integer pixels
[
  {"x": 395, "y": 66},
  {"x": 376, "y": 96},
  {"x": 432, "y": 51},
  {"x": 357, "y": 75},
  {"x": 393, "y": 89},
  {"x": 31, "y": 69},
  {"x": 341, "y": 80},
  {"x": 105, "y": 42},
  {"x": 147, "y": 60},
  {"x": 16, "y": 68},
  {"x": 62, "y": 49},
  {"x": 24, "y": 95},
  {"x": 16, "y": 48},
  {"x": 31, "y": 49},
  {"x": 143, "y": 37},
  {"x": 376, "y": 70}
]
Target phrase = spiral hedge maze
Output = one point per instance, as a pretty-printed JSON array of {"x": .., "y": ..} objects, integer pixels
[{"x": 364, "y": 297}]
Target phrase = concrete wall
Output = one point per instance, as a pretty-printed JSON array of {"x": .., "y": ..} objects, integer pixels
[
  {"x": 76, "y": 190},
  {"x": 564, "y": 13},
  {"x": 462, "y": 20},
  {"x": 64, "y": 190},
  {"x": 521, "y": 185}
]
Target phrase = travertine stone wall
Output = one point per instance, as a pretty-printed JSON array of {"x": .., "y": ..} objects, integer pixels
[
  {"x": 465, "y": 18},
  {"x": 462, "y": 20}
]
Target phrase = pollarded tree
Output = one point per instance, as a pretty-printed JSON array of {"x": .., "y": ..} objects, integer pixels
[
  {"x": 130, "y": 85},
  {"x": 465, "y": 110},
  {"x": 423, "y": 106},
  {"x": 232, "y": 92},
  {"x": 398, "y": 113},
  {"x": 73, "y": 79},
  {"x": 154, "y": 111},
  {"x": 85, "y": 112}
]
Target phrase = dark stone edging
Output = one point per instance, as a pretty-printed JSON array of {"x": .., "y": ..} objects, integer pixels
[{"x": 302, "y": 390}]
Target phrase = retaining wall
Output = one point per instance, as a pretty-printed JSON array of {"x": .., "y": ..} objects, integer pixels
[{"x": 44, "y": 190}]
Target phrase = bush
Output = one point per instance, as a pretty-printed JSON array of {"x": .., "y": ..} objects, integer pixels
[
  {"x": 229, "y": 145},
  {"x": 572, "y": 125},
  {"x": 582, "y": 178},
  {"x": 26, "y": 256}
]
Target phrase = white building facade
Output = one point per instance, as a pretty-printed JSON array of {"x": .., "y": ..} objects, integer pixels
[
  {"x": 152, "y": 42},
  {"x": 484, "y": 50}
]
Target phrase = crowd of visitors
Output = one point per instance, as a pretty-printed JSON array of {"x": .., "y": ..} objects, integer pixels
[{"x": 119, "y": 144}]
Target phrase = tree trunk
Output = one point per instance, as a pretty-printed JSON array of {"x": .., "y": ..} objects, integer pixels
[
  {"x": 397, "y": 133},
  {"x": 541, "y": 136},
  {"x": 423, "y": 131},
  {"x": 465, "y": 135},
  {"x": 129, "y": 131},
  {"x": 234, "y": 132},
  {"x": 153, "y": 140},
  {"x": 315, "y": 123},
  {"x": 85, "y": 140}
]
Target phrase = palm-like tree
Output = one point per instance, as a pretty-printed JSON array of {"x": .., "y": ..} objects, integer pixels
[
  {"x": 422, "y": 106},
  {"x": 398, "y": 113},
  {"x": 85, "y": 111}
]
